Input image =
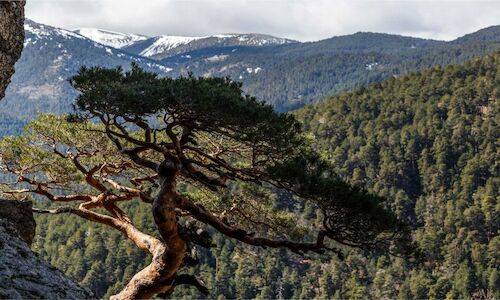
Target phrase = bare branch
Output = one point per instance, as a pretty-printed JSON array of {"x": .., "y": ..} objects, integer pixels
[
  {"x": 145, "y": 197},
  {"x": 142, "y": 240},
  {"x": 44, "y": 192}
]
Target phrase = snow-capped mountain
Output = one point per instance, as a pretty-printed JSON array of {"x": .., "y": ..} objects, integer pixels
[
  {"x": 163, "y": 44},
  {"x": 38, "y": 32},
  {"x": 67, "y": 44},
  {"x": 162, "y": 47},
  {"x": 110, "y": 38}
]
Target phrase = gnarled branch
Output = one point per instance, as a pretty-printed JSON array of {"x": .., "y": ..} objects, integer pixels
[{"x": 206, "y": 217}]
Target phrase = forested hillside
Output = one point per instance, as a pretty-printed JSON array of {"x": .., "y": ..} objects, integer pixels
[
  {"x": 294, "y": 75},
  {"x": 428, "y": 142}
]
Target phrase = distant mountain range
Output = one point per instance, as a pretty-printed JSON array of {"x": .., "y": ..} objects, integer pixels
[
  {"x": 286, "y": 73},
  {"x": 160, "y": 47}
]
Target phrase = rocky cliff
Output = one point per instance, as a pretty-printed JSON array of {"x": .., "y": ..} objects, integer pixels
[
  {"x": 11, "y": 39},
  {"x": 23, "y": 275}
]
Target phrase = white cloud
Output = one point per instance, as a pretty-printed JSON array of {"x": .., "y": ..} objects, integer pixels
[{"x": 299, "y": 19}]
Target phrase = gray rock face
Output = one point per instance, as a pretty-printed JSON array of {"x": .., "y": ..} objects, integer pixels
[
  {"x": 18, "y": 216},
  {"x": 11, "y": 39},
  {"x": 23, "y": 275}
]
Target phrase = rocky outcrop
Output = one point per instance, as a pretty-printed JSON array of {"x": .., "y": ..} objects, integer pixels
[
  {"x": 17, "y": 216},
  {"x": 11, "y": 39},
  {"x": 24, "y": 275}
]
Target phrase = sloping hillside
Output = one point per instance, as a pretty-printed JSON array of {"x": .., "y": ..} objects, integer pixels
[
  {"x": 291, "y": 76},
  {"x": 428, "y": 142}
]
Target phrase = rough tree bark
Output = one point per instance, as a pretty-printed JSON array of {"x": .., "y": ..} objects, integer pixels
[
  {"x": 159, "y": 276},
  {"x": 11, "y": 39}
]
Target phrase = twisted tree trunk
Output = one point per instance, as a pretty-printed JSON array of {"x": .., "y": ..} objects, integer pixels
[
  {"x": 159, "y": 276},
  {"x": 11, "y": 39}
]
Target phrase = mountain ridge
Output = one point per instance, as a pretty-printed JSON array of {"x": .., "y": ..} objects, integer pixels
[
  {"x": 162, "y": 46},
  {"x": 113, "y": 39},
  {"x": 487, "y": 34}
]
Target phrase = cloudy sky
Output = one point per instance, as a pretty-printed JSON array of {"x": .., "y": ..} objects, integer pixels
[{"x": 305, "y": 20}]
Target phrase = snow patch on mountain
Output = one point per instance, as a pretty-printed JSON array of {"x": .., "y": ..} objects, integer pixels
[
  {"x": 371, "y": 66},
  {"x": 110, "y": 38},
  {"x": 167, "y": 42},
  {"x": 259, "y": 39},
  {"x": 252, "y": 39},
  {"x": 255, "y": 71},
  {"x": 216, "y": 58},
  {"x": 42, "y": 31},
  {"x": 224, "y": 36}
]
